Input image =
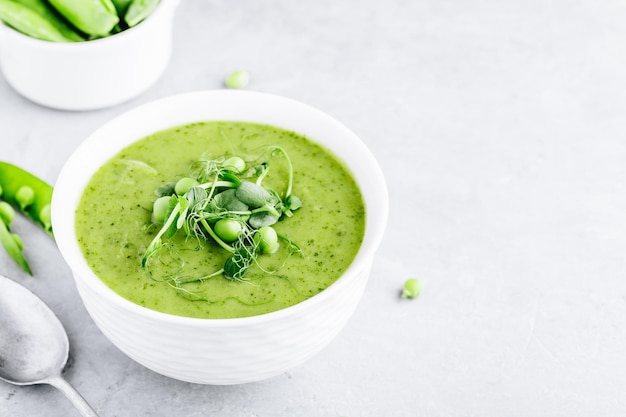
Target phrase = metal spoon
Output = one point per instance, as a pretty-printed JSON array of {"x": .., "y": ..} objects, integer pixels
[{"x": 33, "y": 343}]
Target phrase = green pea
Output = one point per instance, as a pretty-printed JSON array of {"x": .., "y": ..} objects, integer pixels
[
  {"x": 228, "y": 230},
  {"x": 7, "y": 213},
  {"x": 266, "y": 240},
  {"x": 25, "y": 196},
  {"x": 45, "y": 217},
  {"x": 234, "y": 164},
  {"x": 18, "y": 240},
  {"x": 237, "y": 79},
  {"x": 412, "y": 288},
  {"x": 184, "y": 184},
  {"x": 160, "y": 209}
]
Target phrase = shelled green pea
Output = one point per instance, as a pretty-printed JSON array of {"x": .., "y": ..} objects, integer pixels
[
  {"x": 237, "y": 79},
  {"x": 228, "y": 229},
  {"x": 184, "y": 184},
  {"x": 412, "y": 288},
  {"x": 234, "y": 164},
  {"x": 266, "y": 239}
]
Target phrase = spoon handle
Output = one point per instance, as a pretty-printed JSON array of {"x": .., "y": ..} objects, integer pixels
[{"x": 77, "y": 400}]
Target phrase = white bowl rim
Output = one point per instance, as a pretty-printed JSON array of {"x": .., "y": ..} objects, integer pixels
[{"x": 69, "y": 247}]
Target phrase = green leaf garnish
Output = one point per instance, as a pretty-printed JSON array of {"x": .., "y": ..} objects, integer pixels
[
  {"x": 229, "y": 192},
  {"x": 258, "y": 220},
  {"x": 228, "y": 201},
  {"x": 238, "y": 263},
  {"x": 253, "y": 195},
  {"x": 293, "y": 203},
  {"x": 165, "y": 189}
]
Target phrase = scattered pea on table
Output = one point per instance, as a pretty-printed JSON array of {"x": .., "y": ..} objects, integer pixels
[
  {"x": 412, "y": 288},
  {"x": 237, "y": 79}
]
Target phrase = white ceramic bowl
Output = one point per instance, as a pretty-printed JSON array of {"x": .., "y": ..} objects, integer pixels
[
  {"x": 220, "y": 351},
  {"x": 89, "y": 75}
]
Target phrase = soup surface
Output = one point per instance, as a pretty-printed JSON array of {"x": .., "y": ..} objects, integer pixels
[{"x": 114, "y": 226}]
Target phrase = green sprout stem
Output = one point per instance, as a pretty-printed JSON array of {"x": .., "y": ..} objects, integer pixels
[
  {"x": 289, "y": 165},
  {"x": 262, "y": 176},
  {"x": 293, "y": 246},
  {"x": 157, "y": 239},
  {"x": 216, "y": 184},
  {"x": 265, "y": 208},
  {"x": 198, "y": 279}
]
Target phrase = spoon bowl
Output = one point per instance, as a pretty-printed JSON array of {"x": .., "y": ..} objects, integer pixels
[{"x": 33, "y": 344}]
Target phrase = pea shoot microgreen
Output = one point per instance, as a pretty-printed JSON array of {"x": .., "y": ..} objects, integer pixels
[{"x": 225, "y": 201}]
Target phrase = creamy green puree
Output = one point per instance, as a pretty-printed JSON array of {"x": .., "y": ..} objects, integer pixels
[{"x": 114, "y": 228}]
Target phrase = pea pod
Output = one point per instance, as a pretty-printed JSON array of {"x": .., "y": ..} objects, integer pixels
[
  {"x": 43, "y": 9},
  {"x": 13, "y": 180},
  {"x": 94, "y": 17},
  {"x": 138, "y": 10},
  {"x": 12, "y": 247},
  {"x": 29, "y": 22},
  {"x": 121, "y": 6}
]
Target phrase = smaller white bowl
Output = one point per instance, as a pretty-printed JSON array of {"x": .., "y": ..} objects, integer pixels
[
  {"x": 220, "y": 351},
  {"x": 93, "y": 74}
]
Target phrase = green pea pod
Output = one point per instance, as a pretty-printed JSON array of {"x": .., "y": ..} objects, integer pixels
[
  {"x": 29, "y": 22},
  {"x": 121, "y": 6},
  {"x": 94, "y": 17},
  {"x": 12, "y": 179},
  {"x": 43, "y": 9},
  {"x": 13, "y": 248},
  {"x": 138, "y": 10}
]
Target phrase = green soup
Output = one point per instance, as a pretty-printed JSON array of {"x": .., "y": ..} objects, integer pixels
[{"x": 114, "y": 227}]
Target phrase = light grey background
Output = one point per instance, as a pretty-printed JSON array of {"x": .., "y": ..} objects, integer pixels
[{"x": 500, "y": 128}]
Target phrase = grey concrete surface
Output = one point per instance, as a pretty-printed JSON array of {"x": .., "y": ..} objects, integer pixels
[{"x": 500, "y": 126}]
